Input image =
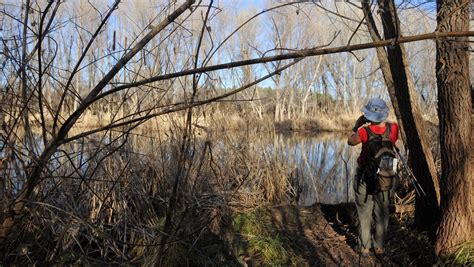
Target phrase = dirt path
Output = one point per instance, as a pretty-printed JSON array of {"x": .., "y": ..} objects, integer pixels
[{"x": 312, "y": 234}]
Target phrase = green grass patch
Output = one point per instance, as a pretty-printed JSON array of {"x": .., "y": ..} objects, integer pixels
[
  {"x": 464, "y": 256},
  {"x": 248, "y": 224},
  {"x": 270, "y": 250},
  {"x": 258, "y": 242}
]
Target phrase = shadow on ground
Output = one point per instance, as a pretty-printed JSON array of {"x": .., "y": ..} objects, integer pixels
[
  {"x": 404, "y": 245},
  {"x": 308, "y": 236}
]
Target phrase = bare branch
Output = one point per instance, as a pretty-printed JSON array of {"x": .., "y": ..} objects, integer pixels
[{"x": 299, "y": 54}]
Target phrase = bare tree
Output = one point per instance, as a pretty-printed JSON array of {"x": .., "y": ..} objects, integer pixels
[{"x": 455, "y": 124}]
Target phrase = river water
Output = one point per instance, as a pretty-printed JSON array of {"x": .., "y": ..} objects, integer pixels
[
  {"x": 322, "y": 164},
  {"x": 325, "y": 162}
]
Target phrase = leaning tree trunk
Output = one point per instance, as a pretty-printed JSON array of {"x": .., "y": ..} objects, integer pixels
[
  {"x": 454, "y": 112},
  {"x": 384, "y": 66},
  {"x": 396, "y": 72}
]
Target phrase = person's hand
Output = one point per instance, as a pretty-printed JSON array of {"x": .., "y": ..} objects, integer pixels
[{"x": 360, "y": 121}]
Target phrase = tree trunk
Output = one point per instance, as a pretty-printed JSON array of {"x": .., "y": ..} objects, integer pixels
[
  {"x": 384, "y": 66},
  {"x": 454, "y": 112},
  {"x": 401, "y": 88}
]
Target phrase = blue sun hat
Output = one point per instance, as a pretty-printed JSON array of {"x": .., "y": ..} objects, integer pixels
[{"x": 376, "y": 110}]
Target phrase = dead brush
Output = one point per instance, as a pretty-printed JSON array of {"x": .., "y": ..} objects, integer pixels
[{"x": 105, "y": 199}]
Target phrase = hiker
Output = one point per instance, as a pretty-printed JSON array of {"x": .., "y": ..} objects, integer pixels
[{"x": 371, "y": 186}]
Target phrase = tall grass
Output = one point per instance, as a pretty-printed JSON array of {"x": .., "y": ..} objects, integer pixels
[{"x": 105, "y": 199}]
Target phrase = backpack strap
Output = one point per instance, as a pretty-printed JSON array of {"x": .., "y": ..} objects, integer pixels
[
  {"x": 370, "y": 133},
  {"x": 388, "y": 129},
  {"x": 385, "y": 135}
]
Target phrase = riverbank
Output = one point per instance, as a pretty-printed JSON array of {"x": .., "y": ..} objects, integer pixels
[
  {"x": 226, "y": 214},
  {"x": 292, "y": 236},
  {"x": 325, "y": 235},
  {"x": 236, "y": 121}
]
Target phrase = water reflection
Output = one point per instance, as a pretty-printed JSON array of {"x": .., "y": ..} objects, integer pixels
[
  {"x": 325, "y": 162},
  {"x": 320, "y": 166}
]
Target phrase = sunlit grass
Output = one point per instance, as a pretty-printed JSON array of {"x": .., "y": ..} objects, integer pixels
[
  {"x": 258, "y": 242},
  {"x": 464, "y": 256}
]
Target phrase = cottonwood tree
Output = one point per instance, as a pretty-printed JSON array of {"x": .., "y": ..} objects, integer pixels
[{"x": 455, "y": 125}]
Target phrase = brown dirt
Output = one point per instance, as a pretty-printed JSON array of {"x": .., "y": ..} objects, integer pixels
[
  {"x": 312, "y": 234},
  {"x": 326, "y": 235}
]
